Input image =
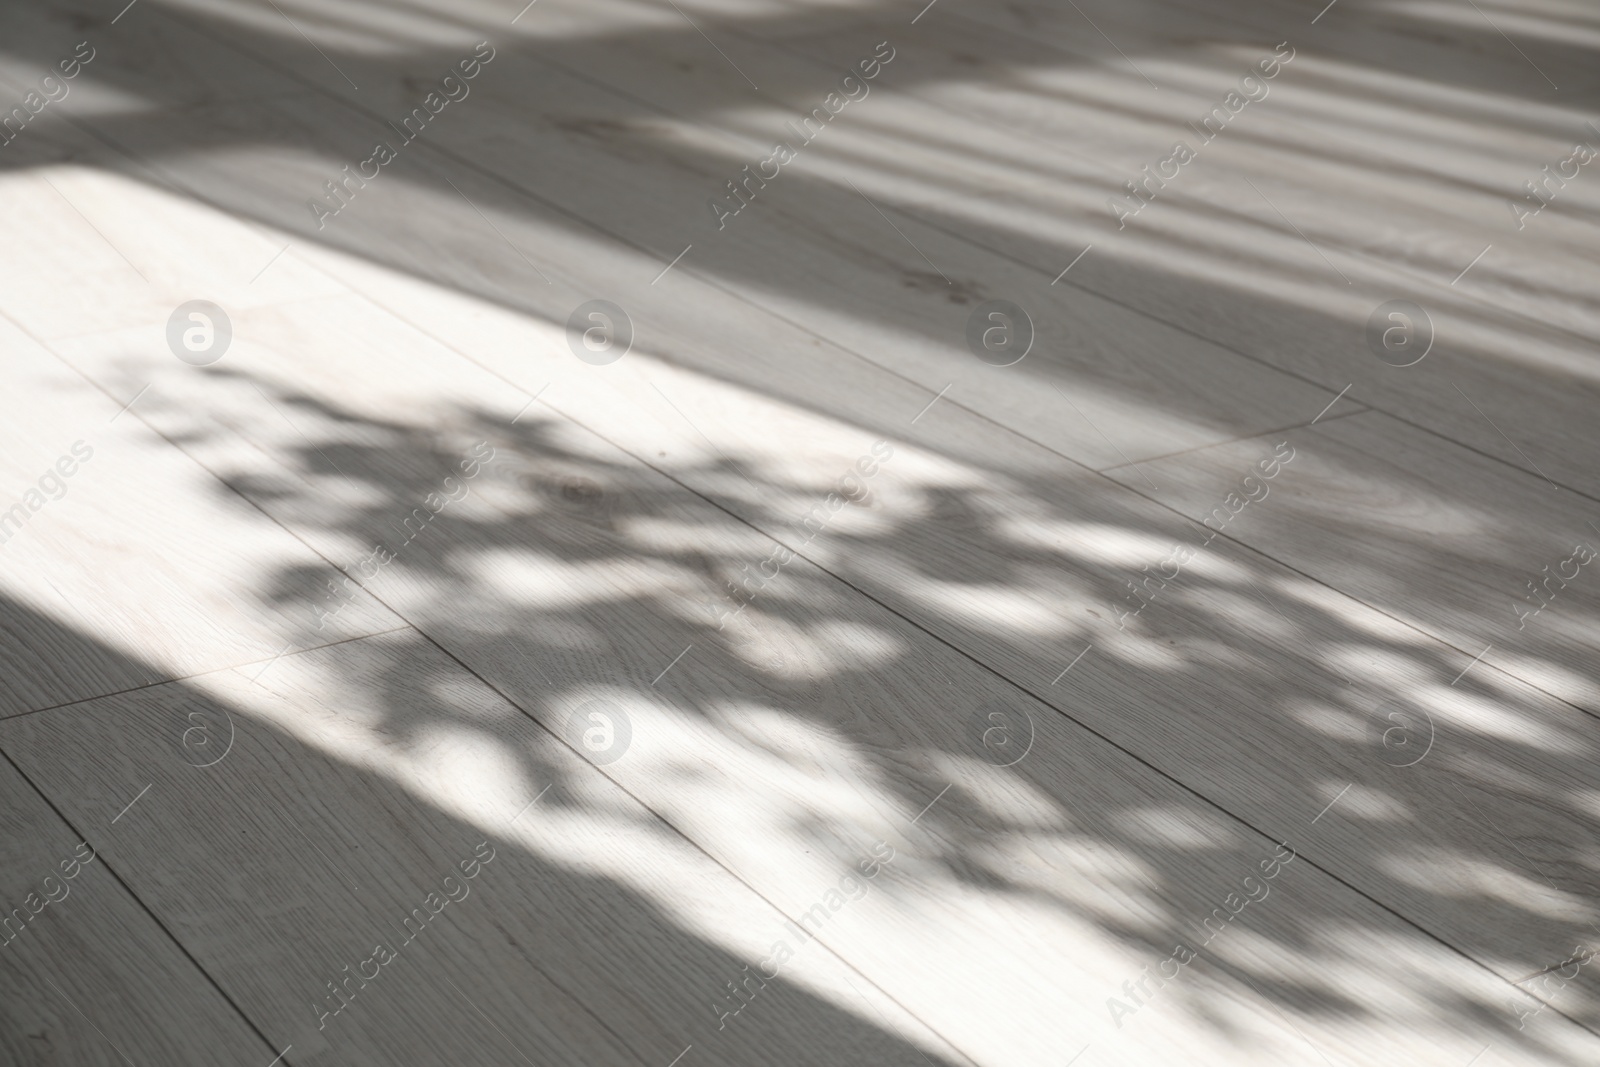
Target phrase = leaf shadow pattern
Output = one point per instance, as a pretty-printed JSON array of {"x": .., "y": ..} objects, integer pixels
[
  {"x": 579, "y": 573},
  {"x": 1164, "y": 766}
]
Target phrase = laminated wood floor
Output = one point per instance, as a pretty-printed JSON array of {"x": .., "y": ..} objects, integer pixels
[{"x": 757, "y": 668}]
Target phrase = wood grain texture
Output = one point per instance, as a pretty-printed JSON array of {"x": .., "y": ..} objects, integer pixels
[
  {"x": 1306, "y": 678},
  {"x": 1216, "y": 257},
  {"x": 572, "y": 573},
  {"x": 87, "y": 976},
  {"x": 1356, "y": 203},
  {"x": 1026, "y": 569},
  {"x": 608, "y": 162},
  {"x": 358, "y": 783}
]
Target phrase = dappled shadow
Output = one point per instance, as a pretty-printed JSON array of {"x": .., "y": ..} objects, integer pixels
[
  {"x": 1245, "y": 705},
  {"x": 277, "y": 860},
  {"x": 814, "y": 720}
]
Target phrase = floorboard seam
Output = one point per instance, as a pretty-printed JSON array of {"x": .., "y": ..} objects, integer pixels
[
  {"x": 1360, "y": 410},
  {"x": 412, "y": 625},
  {"x": 162, "y": 926},
  {"x": 196, "y": 674},
  {"x": 971, "y": 657}
]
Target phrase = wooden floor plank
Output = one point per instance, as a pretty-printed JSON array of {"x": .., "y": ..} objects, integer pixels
[
  {"x": 1399, "y": 221},
  {"x": 1180, "y": 290},
  {"x": 1428, "y": 533},
  {"x": 379, "y": 777},
  {"x": 592, "y": 578},
  {"x": 922, "y": 319},
  {"x": 1029, "y": 568},
  {"x": 941, "y": 567},
  {"x": 391, "y": 758},
  {"x": 110, "y": 530},
  {"x": 1309, "y": 678},
  {"x": 87, "y": 976}
]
